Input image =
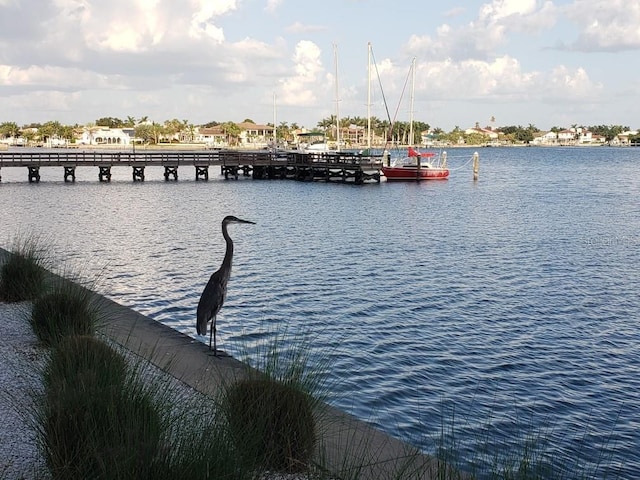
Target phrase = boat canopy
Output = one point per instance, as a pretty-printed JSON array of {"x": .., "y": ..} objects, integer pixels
[{"x": 312, "y": 134}]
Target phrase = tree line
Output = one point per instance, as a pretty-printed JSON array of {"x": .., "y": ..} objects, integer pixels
[{"x": 398, "y": 131}]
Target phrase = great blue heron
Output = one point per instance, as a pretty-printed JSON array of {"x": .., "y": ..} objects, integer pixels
[{"x": 215, "y": 291}]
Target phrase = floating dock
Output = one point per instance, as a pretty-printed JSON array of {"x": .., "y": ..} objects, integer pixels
[{"x": 344, "y": 167}]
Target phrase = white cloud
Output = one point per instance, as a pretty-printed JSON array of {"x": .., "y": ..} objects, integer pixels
[
  {"x": 481, "y": 38},
  {"x": 272, "y": 5},
  {"x": 136, "y": 26},
  {"x": 503, "y": 80},
  {"x": 501, "y": 9},
  {"x": 300, "y": 88},
  {"x": 518, "y": 15},
  {"x": 299, "y": 27},
  {"x": 117, "y": 26},
  {"x": 206, "y": 10},
  {"x": 218, "y": 58},
  {"x": 605, "y": 25},
  {"x": 454, "y": 12},
  {"x": 50, "y": 103},
  {"x": 68, "y": 79},
  {"x": 499, "y": 79},
  {"x": 203, "y": 20},
  {"x": 456, "y": 43},
  {"x": 570, "y": 85}
]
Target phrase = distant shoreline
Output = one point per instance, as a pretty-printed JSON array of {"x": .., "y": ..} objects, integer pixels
[{"x": 200, "y": 146}]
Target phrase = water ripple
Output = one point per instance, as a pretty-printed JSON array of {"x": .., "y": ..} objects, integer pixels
[{"x": 508, "y": 306}]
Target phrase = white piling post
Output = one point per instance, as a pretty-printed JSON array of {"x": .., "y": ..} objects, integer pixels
[{"x": 476, "y": 165}]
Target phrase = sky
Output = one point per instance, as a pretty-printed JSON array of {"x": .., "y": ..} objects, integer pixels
[{"x": 552, "y": 63}]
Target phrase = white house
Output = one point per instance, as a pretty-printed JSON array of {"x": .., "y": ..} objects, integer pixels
[
  {"x": 566, "y": 137},
  {"x": 545, "y": 138},
  {"x": 584, "y": 136},
  {"x": 212, "y": 136},
  {"x": 254, "y": 135},
  {"x": 106, "y": 136},
  {"x": 482, "y": 131}
]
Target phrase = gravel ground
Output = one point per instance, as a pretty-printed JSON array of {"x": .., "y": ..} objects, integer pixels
[
  {"x": 22, "y": 361},
  {"x": 20, "y": 368}
]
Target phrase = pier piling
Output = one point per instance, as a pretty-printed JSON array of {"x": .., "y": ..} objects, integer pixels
[
  {"x": 138, "y": 174},
  {"x": 34, "y": 174},
  {"x": 69, "y": 174},
  {"x": 104, "y": 174},
  {"x": 202, "y": 172},
  {"x": 170, "y": 171},
  {"x": 476, "y": 166}
]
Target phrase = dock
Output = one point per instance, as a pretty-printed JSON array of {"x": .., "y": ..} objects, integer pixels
[{"x": 343, "y": 167}]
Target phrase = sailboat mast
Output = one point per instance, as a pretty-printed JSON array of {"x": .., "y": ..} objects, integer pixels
[
  {"x": 335, "y": 57},
  {"x": 275, "y": 128},
  {"x": 413, "y": 86},
  {"x": 369, "y": 97}
]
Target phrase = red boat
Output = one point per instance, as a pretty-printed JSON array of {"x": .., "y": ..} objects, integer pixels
[{"x": 413, "y": 167}]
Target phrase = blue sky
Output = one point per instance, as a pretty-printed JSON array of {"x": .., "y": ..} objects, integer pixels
[{"x": 548, "y": 63}]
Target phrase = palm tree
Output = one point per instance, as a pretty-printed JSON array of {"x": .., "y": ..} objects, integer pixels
[
  {"x": 156, "y": 129},
  {"x": 187, "y": 132},
  {"x": 50, "y": 129},
  {"x": 66, "y": 132},
  {"x": 29, "y": 135},
  {"x": 9, "y": 130},
  {"x": 326, "y": 123},
  {"x": 284, "y": 131},
  {"x": 232, "y": 131}
]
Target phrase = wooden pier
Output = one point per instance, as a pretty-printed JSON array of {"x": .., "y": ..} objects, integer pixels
[{"x": 344, "y": 167}]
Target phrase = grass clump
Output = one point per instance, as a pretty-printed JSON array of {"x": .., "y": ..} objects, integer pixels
[
  {"x": 200, "y": 447},
  {"x": 87, "y": 362},
  {"x": 271, "y": 423},
  {"x": 96, "y": 422},
  {"x": 68, "y": 309},
  {"x": 271, "y": 412},
  {"x": 22, "y": 275}
]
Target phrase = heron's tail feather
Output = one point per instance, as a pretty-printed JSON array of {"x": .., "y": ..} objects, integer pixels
[{"x": 201, "y": 325}]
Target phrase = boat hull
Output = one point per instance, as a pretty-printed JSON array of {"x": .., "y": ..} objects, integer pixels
[{"x": 413, "y": 174}]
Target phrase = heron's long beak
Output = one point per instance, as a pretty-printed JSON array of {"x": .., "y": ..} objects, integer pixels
[{"x": 246, "y": 221}]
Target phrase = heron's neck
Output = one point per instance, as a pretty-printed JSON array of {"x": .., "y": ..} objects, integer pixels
[{"x": 228, "y": 255}]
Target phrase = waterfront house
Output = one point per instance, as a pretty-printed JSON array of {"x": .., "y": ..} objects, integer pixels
[
  {"x": 493, "y": 136},
  {"x": 105, "y": 136},
  {"x": 211, "y": 136},
  {"x": 545, "y": 138},
  {"x": 567, "y": 137},
  {"x": 354, "y": 135},
  {"x": 584, "y": 136},
  {"x": 623, "y": 139},
  {"x": 255, "y": 136}
]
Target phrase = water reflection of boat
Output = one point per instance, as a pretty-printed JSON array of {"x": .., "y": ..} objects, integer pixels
[{"x": 417, "y": 166}]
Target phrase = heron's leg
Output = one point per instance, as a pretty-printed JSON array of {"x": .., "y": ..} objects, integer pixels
[
  {"x": 210, "y": 335},
  {"x": 213, "y": 329}
]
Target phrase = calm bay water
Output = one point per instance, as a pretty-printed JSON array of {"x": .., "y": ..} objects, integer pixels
[{"x": 507, "y": 307}]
